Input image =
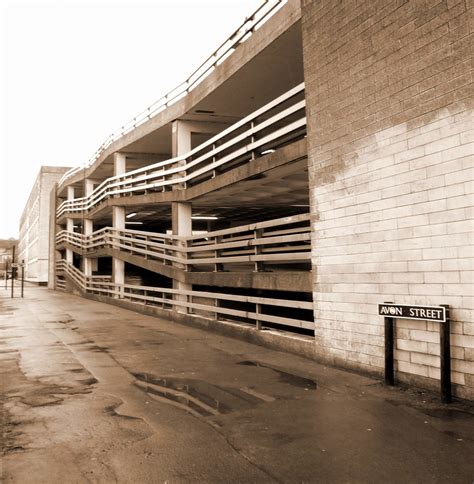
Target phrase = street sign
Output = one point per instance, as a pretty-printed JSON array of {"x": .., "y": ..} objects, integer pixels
[
  {"x": 427, "y": 313},
  {"x": 391, "y": 312}
]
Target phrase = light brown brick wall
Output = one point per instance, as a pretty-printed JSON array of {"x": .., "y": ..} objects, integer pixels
[{"x": 389, "y": 88}]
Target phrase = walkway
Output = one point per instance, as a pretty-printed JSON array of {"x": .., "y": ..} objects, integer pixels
[{"x": 94, "y": 393}]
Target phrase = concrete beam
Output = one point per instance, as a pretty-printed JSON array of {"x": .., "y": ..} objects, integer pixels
[{"x": 278, "y": 281}]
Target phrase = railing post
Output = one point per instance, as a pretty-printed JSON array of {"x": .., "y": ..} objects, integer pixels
[
  {"x": 252, "y": 140},
  {"x": 258, "y": 311},
  {"x": 218, "y": 266},
  {"x": 258, "y": 234},
  {"x": 214, "y": 171},
  {"x": 188, "y": 267}
]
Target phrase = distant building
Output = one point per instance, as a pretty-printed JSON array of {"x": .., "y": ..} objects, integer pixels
[
  {"x": 6, "y": 253},
  {"x": 33, "y": 244}
]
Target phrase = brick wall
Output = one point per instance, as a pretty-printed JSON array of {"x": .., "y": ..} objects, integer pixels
[{"x": 390, "y": 128}]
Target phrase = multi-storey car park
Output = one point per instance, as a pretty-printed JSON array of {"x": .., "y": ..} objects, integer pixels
[{"x": 316, "y": 165}]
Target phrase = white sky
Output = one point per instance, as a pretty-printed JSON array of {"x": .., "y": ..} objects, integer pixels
[{"x": 71, "y": 72}]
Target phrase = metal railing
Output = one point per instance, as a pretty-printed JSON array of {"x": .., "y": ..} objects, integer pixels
[
  {"x": 276, "y": 123},
  {"x": 279, "y": 241},
  {"x": 246, "y": 29},
  {"x": 257, "y": 310}
]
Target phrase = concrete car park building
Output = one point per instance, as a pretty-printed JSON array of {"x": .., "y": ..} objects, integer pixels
[
  {"x": 33, "y": 243},
  {"x": 317, "y": 164}
]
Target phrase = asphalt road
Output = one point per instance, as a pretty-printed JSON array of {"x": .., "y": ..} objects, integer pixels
[{"x": 95, "y": 393}]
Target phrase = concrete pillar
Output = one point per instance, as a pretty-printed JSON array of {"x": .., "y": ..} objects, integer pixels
[
  {"x": 181, "y": 139},
  {"x": 182, "y": 131},
  {"x": 89, "y": 265},
  {"x": 120, "y": 163},
  {"x": 118, "y": 221},
  {"x": 181, "y": 218},
  {"x": 118, "y": 266},
  {"x": 181, "y": 223},
  {"x": 70, "y": 223}
]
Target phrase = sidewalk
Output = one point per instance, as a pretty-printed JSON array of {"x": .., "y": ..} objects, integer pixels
[{"x": 95, "y": 393}]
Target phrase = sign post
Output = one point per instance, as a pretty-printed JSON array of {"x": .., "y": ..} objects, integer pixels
[
  {"x": 389, "y": 345},
  {"x": 22, "y": 276},
  {"x": 445, "y": 358},
  {"x": 439, "y": 314},
  {"x": 13, "y": 266}
]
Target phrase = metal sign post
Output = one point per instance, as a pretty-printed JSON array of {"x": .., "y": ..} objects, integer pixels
[
  {"x": 389, "y": 345},
  {"x": 12, "y": 274},
  {"x": 439, "y": 314},
  {"x": 13, "y": 265},
  {"x": 445, "y": 358},
  {"x": 22, "y": 276}
]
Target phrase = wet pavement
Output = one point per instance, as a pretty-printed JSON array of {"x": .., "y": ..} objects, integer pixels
[{"x": 94, "y": 393}]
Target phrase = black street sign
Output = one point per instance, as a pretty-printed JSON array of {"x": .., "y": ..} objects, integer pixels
[{"x": 427, "y": 313}]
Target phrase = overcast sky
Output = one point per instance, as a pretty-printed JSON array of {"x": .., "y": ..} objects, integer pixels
[{"x": 71, "y": 72}]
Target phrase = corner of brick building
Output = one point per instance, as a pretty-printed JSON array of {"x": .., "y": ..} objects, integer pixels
[{"x": 389, "y": 96}]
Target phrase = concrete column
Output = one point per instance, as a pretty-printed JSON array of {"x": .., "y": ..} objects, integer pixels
[
  {"x": 120, "y": 163},
  {"x": 181, "y": 218},
  {"x": 89, "y": 264},
  {"x": 181, "y": 223},
  {"x": 70, "y": 224},
  {"x": 181, "y": 139},
  {"x": 118, "y": 221},
  {"x": 118, "y": 266}
]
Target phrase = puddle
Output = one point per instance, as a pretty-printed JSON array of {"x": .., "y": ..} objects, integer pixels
[
  {"x": 197, "y": 397},
  {"x": 447, "y": 413},
  {"x": 285, "y": 377}
]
